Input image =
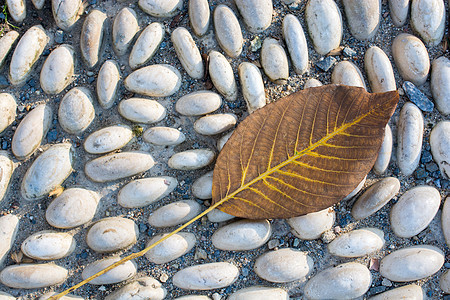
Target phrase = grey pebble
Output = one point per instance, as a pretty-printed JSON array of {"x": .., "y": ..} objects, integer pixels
[{"x": 417, "y": 97}]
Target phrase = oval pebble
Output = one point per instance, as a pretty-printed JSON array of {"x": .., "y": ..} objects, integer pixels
[
  {"x": 66, "y": 12},
  {"x": 296, "y": 43},
  {"x": 379, "y": 70},
  {"x": 164, "y": 136},
  {"x": 120, "y": 273},
  {"x": 198, "y": 103},
  {"x": 161, "y": 8},
  {"x": 412, "y": 263},
  {"x": 219, "y": 216},
  {"x": 174, "y": 213},
  {"x": 215, "y": 124},
  {"x": 141, "y": 110},
  {"x": 411, "y": 58},
  {"x": 410, "y": 291},
  {"x": 32, "y": 276},
  {"x": 258, "y": 293},
  {"x": 222, "y": 141},
  {"x": 112, "y": 234},
  {"x": 6, "y": 45},
  {"x": 9, "y": 225},
  {"x": 124, "y": 29},
  {"x": 31, "y": 130},
  {"x": 228, "y": 31},
  {"x": 375, "y": 197},
  {"x": 107, "y": 83},
  {"x": 27, "y": 52},
  {"x": 142, "y": 192},
  {"x": 48, "y": 245},
  {"x": 347, "y": 73},
  {"x": 91, "y": 38},
  {"x": 6, "y": 170},
  {"x": 312, "y": 83},
  {"x": 222, "y": 75},
  {"x": 187, "y": 52},
  {"x": 257, "y": 14},
  {"x": 324, "y": 25},
  {"x": 440, "y": 147},
  {"x": 206, "y": 276},
  {"x": 428, "y": 20},
  {"x": 17, "y": 9},
  {"x": 74, "y": 207},
  {"x": 118, "y": 165},
  {"x": 57, "y": 71},
  {"x": 191, "y": 159},
  {"x": 311, "y": 226},
  {"x": 154, "y": 81},
  {"x": 384, "y": 155},
  {"x": 48, "y": 172},
  {"x": 108, "y": 139},
  {"x": 242, "y": 235},
  {"x": 76, "y": 110},
  {"x": 445, "y": 220},
  {"x": 143, "y": 288},
  {"x": 66, "y": 297},
  {"x": 173, "y": 247},
  {"x": 398, "y": 10},
  {"x": 357, "y": 243},
  {"x": 363, "y": 17},
  {"x": 252, "y": 86},
  {"x": 202, "y": 187},
  {"x": 440, "y": 79},
  {"x": 8, "y": 108},
  {"x": 284, "y": 265},
  {"x": 409, "y": 138},
  {"x": 345, "y": 281},
  {"x": 146, "y": 45},
  {"x": 199, "y": 16},
  {"x": 414, "y": 211},
  {"x": 274, "y": 61}
]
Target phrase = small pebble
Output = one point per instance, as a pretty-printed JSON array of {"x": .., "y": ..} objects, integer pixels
[
  {"x": 141, "y": 110},
  {"x": 228, "y": 31},
  {"x": 174, "y": 213},
  {"x": 175, "y": 246},
  {"x": 311, "y": 226},
  {"x": 107, "y": 83},
  {"x": 257, "y": 14},
  {"x": 76, "y": 110},
  {"x": 66, "y": 12},
  {"x": 91, "y": 37},
  {"x": 191, "y": 159},
  {"x": 48, "y": 245},
  {"x": 428, "y": 20},
  {"x": 357, "y": 243},
  {"x": 163, "y": 9},
  {"x": 206, "y": 276},
  {"x": 187, "y": 52},
  {"x": 198, "y": 103},
  {"x": 326, "y": 63},
  {"x": 121, "y": 273},
  {"x": 146, "y": 45},
  {"x": 124, "y": 29},
  {"x": 24, "y": 276},
  {"x": 417, "y": 97}
]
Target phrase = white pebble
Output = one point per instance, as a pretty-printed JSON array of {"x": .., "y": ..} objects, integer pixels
[
  {"x": 206, "y": 276},
  {"x": 91, "y": 38},
  {"x": 173, "y": 247},
  {"x": 120, "y": 273},
  {"x": 124, "y": 29},
  {"x": 440, "y": 147},
  {"x": 347, "y": 73},
  {"x": 187, "y": 52},
  {"x": 32, "y": 276},
  {"x": 108, "y": 139},
  {"x": 6, "y": 45},
  {"x": 257, "y": 14},
  {"x": 296, "y": 43},
  {"x": 174, "y": 213},
  {"x": 140, "y": 110},
  {"x": 57, "y": 71},
  {"x": 228, "y": 31},
  {"x": 215, "y": 124},
  {"x": 76, "y": 110},
  {"x": 48, "y": 245},
  {"x": 312, "y": 83},
  {"x": 17, "y": 10},
  {"x": 66, "y": 12},
  {"x": 274, "y": 61},
  {"x": 8, "y": 108},
  {"x": 311, "y": 226},
  {"x": 258, "y": 293},
  {"x": 202, "y": 187},
  {"x": 9, "y": 225},
  {"x": 379, "y": 70},
  {"x": 163, "y": 136},
  {"x": 146, "y": 45},
  {"x": 6, "y": 170},
  {"x": 161, "y": 8},
  {"x": 399, "y": 11},
  {"x": 199, "y": 16},
  {"x": 191, "y": 159},
  {"x": 357, "y": 243},
  {"x": 363, "y": 17},
  {"x": 222, "y": 75},
  {"x": 107, "y": 83},
  {"x": 252, "y": 86},
  {"x": 428, "y": 20},
  {"x": 198, "y": 103},
  {"x": 440, "y": 81},
  {"x": 143, "y": 288},
  {"x": 384, "y": 155},
  {"x": 218, "y": 216}
]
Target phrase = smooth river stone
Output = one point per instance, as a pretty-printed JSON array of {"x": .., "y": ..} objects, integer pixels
[
  {"x": 296, "y": 43},
  {"x": 191, "y": 159},
  {"x": 399, "y": 11},
  {"x": 384, "y": 155},
  {"x": 48, "y": 245},
  {"x": 146, "y": 45},
  {"x": 108, "y": 139},
  {"x": 252, "y": 86},
  {"x": 410, "y": 291},
  {"x": 107, "y": 83},
  {"x": 6, "y": 296},
  {"x": 118, "y": 165},
  {"x": 143, "y": 288},
  {"x": 198, "y": 103},
  {"x": 409, "y": 138},
  {"x": 32, "y": 276},
  {"x": 161, "y": 8},
  {"x": 284, "y": 265},
  {"x": 440, "y": 147},
  {"x": 428, "y": 20},
  {"x": 324, "y": 25},
  {"x": 47, "y": 172},
  {"x": 199, "y": 14},
  {"x": 202, "y": 187},
  {"x": 76, "y": 110},
  {"x": 444, "y": 282},
  {"x": 215, "y": 123},
  {"x": 257, "y": 14},
  {"x": 112, "y": 234},
  {"x": 228, "y": 31},
  {"x": 142, "y": 192},
  {"x": 141, "y": 110},
  {"x": 8, "y": 108},
  {"x": 57, "y": 71},
  {"x": 357, "y": 243},
  {"x": 311, "y": 226},
  {"x": 17, "y": 9},
  {"x": 219, "y": 216},
  {"x": 206, "y": 276},
  {"x": 312, "y": 83},
  {"x": 222, "y": 75},
  {"x": 347, "y": 73},
  {"x": 345, "y": 281},
  {"x": 174, "y": 213},
  {"x": 363, "y": 17},
  {"x": 6, "y": 170},
  {"x": 258, "y": 293},
  {"x": 74, "y": 207},
  {"x": 120, "y": 273},
  {"x": 242, "y": 235},
  {"x": 274, "y": 61},
  {"x": 187, "y": 52},
  {"x": 173, "y": 247},
  {"x": 414, "y": 211},
  {"x": 440, "y": 81},
  {"x": 411, "y": 58},
  {"x": 375, "y": 197},
  {"x": 66, "y": 297},
  {"x": 67, "y": 12},
  {"x": 154, "y": 81},
  {"x": 223, "y": 140},
  {"x": 31, "y": 130},
  {"x": 445, "y": 220},
  {"x": 6, "y": 45},
  {"x": 27, "y": 52},
  {"x": 163, "y": 136},
  {"x": 124, "y": 29},
  {"x": 9, "y": 225},
  {"x": 412, "y": 263},
  {"x": 91, "y": 38},
  {"x": 379, "y": 70}
]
